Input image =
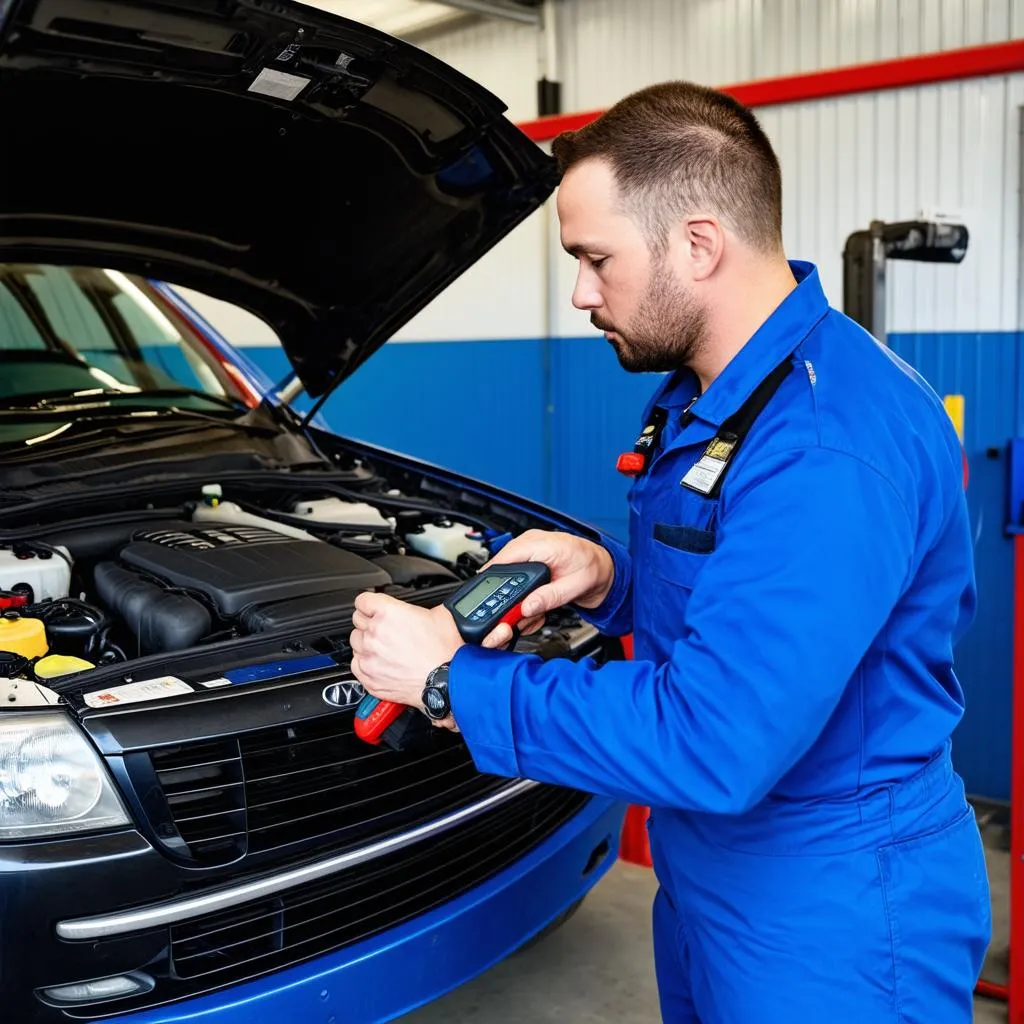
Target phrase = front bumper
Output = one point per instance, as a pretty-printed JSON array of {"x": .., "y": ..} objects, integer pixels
[{"x": 394, "y": 973}]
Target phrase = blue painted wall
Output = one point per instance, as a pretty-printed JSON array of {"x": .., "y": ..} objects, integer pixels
[
  {"x": 546, "y": 419},
  {"x": 985, "y": 368}
]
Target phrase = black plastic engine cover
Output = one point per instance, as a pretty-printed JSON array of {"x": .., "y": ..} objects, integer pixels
[
  {"x": 313, "y": 608},
  {"x": 238, "y": 566}
]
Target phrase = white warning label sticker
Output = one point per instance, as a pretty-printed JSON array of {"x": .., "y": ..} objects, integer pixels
[
  {"x": 279, "y": 84},
  {"x": 132, "y": 693},
  {"x": 212, "y": 684}
]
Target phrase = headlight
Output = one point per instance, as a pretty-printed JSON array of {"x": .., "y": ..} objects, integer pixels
[{"x": 51, "y": 780}]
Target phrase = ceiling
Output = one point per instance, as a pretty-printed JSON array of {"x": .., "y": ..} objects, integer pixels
[{"x": 396, "y": 17}]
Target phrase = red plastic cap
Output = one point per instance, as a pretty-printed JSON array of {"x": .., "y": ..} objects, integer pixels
[{"x": 630, "y": 463}]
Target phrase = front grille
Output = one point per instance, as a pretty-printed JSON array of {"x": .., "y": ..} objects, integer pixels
[
  {"x": 312, "y": 781},
  {"x": 251, "y": 941},
  {"x": 205, "y": 792},
  {"x": 325, "y": 916}
]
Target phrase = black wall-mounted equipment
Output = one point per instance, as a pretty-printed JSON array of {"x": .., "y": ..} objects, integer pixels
[{"x": 867, "y": 252}]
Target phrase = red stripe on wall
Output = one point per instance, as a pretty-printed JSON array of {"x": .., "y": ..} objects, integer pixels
[{"x": 925, "y": 69}]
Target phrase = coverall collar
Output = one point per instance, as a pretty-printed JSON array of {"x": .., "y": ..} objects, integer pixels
[{"x": 779, "y": 335}]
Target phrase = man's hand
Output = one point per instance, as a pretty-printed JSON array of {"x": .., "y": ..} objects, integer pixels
[
  {"x": 581, "y": 572},
  {"x": 395, "y": 646}
]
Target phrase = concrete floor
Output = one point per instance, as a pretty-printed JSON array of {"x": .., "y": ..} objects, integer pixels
[{"x": 597, "y": 969}]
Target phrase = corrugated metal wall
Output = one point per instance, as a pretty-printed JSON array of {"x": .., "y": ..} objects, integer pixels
[
  {"x": 952, "y": 147},
  {"x": 610, "y": 47},
  {"x": 501, "y": 55},
  {"x": 949, "y": 147}
]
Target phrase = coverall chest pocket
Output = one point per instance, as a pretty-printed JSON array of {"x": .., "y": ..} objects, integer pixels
[
  {"x": 677, "y": 543},
  {"x": 677, "y": 554}
]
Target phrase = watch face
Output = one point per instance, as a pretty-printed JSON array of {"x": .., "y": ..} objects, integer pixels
[{"x": 435, "y": 700}]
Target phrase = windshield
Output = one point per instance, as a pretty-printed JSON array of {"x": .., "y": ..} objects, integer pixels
[{"x": 69, "y": 331}]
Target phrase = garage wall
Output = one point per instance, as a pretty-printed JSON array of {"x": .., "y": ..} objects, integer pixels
[
  {"x": 610, "y": 49},
  {"x": 890, "y": 154}
]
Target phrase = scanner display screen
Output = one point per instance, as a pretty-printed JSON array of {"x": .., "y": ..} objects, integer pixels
[{"x": 483, "y": 590}]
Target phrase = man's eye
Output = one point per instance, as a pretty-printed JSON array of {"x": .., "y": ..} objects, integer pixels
[{"x": 598, "y": 263}]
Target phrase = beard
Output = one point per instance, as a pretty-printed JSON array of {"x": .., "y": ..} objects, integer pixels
[{"x": 666, "y": 331}]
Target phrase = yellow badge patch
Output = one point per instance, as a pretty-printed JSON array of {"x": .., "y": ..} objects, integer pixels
[{"x": 719, "y": 449}]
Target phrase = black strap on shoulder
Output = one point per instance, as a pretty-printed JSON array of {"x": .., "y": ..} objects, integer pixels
[
  {"x": 738, "y": 425},
  {"x": 740, "y": 422}
]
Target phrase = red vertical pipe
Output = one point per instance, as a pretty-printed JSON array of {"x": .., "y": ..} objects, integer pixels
[
  {"x": 635, "y": 847},
  {"x": 1015, "y": 1010}
]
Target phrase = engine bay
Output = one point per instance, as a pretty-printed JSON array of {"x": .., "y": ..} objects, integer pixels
[{"x": 238, "y": 559}]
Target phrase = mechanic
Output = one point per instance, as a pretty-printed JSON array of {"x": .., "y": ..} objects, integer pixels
[{"x": 799, "y": 570}]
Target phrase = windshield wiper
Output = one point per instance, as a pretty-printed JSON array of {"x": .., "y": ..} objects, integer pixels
[
  {"x": 164, "y": 417},
  {"x": 49, "y": 401}
]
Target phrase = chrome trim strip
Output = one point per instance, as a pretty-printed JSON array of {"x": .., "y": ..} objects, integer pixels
[{"x": 106, "y": 925}]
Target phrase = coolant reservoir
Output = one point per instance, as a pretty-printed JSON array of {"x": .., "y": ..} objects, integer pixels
[
  {"x": 26, "y": 637},
  {"x": 445, "y": 543},
  {"x": 344, "y": 513},
  {"x": 45, "y": 572}
]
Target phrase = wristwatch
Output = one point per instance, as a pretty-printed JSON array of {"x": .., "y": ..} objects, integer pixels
[{"x": 435, "y": 694}]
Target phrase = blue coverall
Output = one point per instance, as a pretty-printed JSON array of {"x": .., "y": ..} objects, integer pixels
[{"x": 788, "y": 712}]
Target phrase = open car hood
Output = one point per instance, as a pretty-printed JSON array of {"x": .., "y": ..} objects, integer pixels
[{"x": 328, "y": 178}]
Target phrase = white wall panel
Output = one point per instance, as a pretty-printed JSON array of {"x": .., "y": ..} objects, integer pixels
[
  {"x": 239, "y": 326},
  {"x": 503, "y": 296},
  {"x": 611, "y": 47},
  {"x": 891, "y": 155},
  {"x": 501, "y": 55}
]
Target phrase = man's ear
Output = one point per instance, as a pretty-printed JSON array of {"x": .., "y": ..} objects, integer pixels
[{"x": 704, "y": 240}]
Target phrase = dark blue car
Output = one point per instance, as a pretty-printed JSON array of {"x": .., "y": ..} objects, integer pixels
[{"x": 189, "y": 827}]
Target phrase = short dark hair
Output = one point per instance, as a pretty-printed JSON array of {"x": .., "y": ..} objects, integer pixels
[{"x": 678, "y": 147}]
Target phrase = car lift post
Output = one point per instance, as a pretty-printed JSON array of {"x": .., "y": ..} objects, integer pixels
[{"x": 867, "y": 253}]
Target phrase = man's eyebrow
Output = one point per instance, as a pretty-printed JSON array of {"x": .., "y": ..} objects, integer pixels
[{"x": 579, "y": 248}]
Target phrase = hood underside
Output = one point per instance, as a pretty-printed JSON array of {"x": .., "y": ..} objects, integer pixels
[{"x": 324, "y": 176}]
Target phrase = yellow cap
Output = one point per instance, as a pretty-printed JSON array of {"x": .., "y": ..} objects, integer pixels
[
  {"x": 26, "y": 637},
  {"x": 59, "y": 665}
]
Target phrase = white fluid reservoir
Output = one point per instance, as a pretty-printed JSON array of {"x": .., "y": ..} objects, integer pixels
[
  {"x": 227, "y": 513},
  {"x": 342, "y": 513},
  {"x": 46, "y": 573},
  {"x": 446, "y": 543}
]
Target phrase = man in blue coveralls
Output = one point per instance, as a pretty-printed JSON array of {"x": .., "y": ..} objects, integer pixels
[{"x": 799, "y": 570}]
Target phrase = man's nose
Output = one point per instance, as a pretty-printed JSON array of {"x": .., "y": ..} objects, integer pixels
[{"x": 586, "y": 294}]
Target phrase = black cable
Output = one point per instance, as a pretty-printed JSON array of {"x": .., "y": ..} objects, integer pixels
[{"x": 12, "y": 537}]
